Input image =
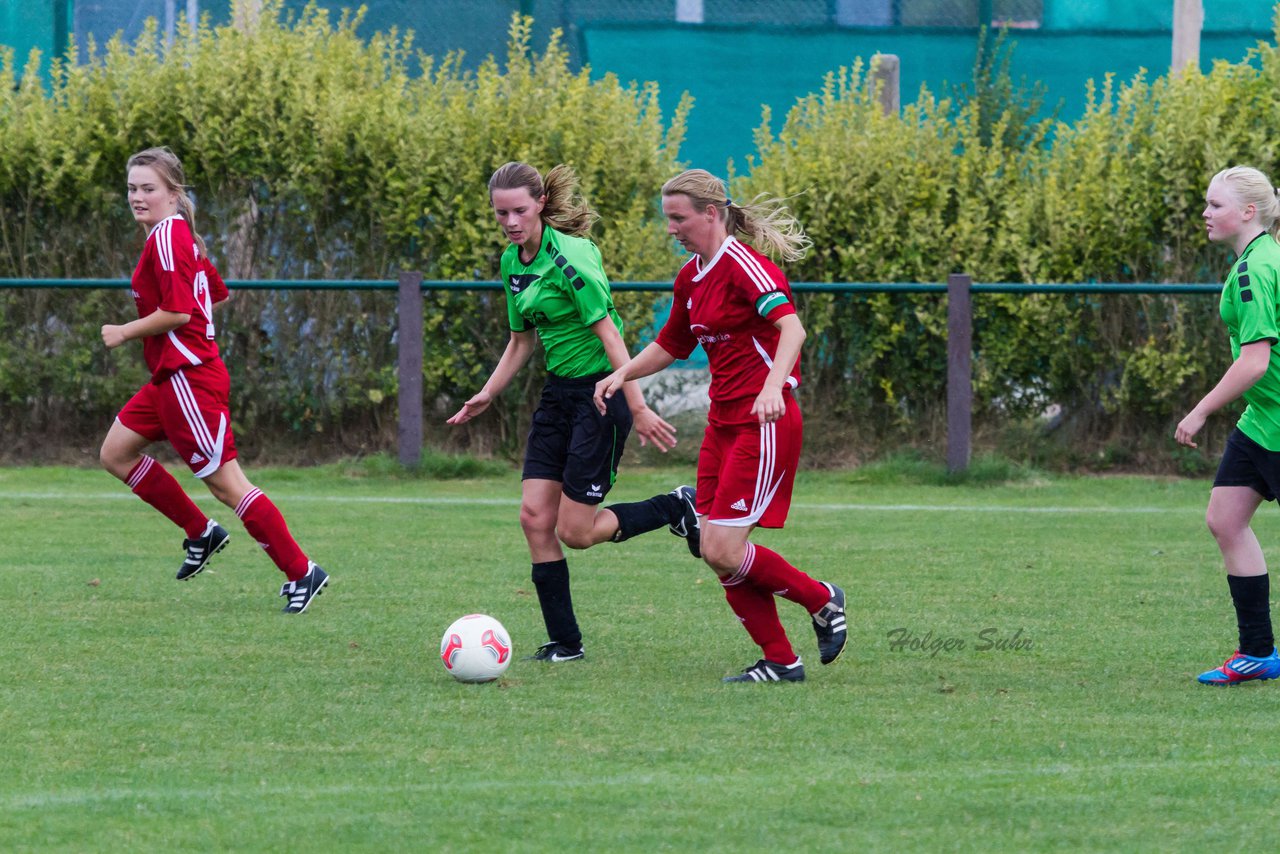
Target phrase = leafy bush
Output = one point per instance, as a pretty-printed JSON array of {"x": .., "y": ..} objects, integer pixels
[
  {"x": 316, "y": 154},
  {"x": 312, "y": 154},
  {"x": 969, "y": 187}
]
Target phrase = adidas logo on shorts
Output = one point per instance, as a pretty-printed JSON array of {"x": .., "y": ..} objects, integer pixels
[
  {"x": 740, "y": 505},
  {"x": 196, "y": 459}
]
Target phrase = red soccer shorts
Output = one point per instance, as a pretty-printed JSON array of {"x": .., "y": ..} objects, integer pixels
[
  {"x": 746, "y": 469},
  {"x": 192, "y": 410}
]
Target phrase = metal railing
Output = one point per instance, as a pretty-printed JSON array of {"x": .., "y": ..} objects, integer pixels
[{"x": 410, "y": 285}]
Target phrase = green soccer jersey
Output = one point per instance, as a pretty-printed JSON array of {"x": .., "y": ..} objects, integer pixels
[
  {"x": 561, "y": 293},
  {"x": 1248, "y": 307}
]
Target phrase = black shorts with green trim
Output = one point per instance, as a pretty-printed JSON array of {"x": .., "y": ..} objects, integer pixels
[{"x": 572, "y": 443}]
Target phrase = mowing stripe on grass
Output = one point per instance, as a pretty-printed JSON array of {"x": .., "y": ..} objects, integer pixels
[{"x": 512, "y": 502}]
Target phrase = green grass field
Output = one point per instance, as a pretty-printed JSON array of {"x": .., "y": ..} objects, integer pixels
[{"x": 140, "y": 713}]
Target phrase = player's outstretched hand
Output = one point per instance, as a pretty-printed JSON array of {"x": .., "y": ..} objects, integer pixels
[
  {"x": 769, "y": 405},
  {"x": 1188, "y": 427},
  {"x": 652, "y": 428},
  {"x": 606, "y": 389},
  {"x": 478, "y": 403},
  {"x": 112, "y": 336}
]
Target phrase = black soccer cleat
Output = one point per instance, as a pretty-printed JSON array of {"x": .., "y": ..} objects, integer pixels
[
  {"x": 556, "y": 652},
  {"x": 306, "y": 588},
  {"x": 829, "y": 625},
  {"x": 770, "y": 671},
  {"x": 202, "y": 549},
  {"x": 687, "y": 526}
]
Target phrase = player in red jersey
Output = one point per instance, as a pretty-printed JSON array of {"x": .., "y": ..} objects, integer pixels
[
  {"x": 737, "y": 304},
  {"x": 187, "y": 400}
]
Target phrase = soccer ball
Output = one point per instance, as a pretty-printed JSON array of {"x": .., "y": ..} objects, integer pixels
[{"x": 475, "y": 648}]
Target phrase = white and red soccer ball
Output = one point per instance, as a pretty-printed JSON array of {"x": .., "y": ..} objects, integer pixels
[{"x": 475, "y": 648}]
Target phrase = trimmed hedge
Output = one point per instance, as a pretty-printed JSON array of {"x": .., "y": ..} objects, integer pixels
[
  {"x": 312, "y": 154},
  {"x": 1113, "y": 197},
  {"x": 316, "y": 154}
]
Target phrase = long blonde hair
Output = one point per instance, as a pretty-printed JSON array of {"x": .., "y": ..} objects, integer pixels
[
  {"x": 565, "y": 210},
  {"x": 1251, "y": 187},
  {"x": 765, "y": 221},
  {"x": 169, "y": 169}
]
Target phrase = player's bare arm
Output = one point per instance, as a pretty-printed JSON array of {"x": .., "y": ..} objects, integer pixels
[
  {"x": 770, "y": 404},
  {"x": 1244, "y": 372},
  {"x": 648, "y": 424},
  {"x": 157, "y": 323},
  {"x": 649, "y": 361},
  {"x": 514, "y": 358}
]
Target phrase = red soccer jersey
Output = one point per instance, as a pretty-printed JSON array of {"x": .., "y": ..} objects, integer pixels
[
  {"x": 173, "y": 276},
  {"x": 730, "y": 307}
]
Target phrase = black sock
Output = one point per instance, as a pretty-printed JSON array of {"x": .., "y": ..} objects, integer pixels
[
  {"x": 551, "y": 579},
  {"x": 1252, "y": 597},
  {"x": 640, "y": 517}
]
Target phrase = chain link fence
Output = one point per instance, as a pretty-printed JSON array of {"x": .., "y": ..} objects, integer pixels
[{"x": 479, "y": 27}]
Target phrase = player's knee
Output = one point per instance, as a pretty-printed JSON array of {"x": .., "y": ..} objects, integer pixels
[
  {"x": 723, "y": 557},
  {"x": 113, "y": 462},
  {"x": 536, "y": 521},
  {"x": 1223, "y": 526},
  {"x": 575, "y": 538},
  {"x": 222, "y": 494}
]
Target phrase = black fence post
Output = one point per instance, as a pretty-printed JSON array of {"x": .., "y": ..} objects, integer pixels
[
  {"x": 409, "y": 367},
  {"x": 959, "y": 371}
]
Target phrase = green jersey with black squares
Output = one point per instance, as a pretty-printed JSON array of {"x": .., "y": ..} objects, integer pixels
[
  {"x": 1248, "y": 307},
  {"x": 561, "y": 293}
]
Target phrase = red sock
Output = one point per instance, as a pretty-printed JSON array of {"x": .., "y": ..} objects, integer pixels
[
  {"x": 151, "y": 482},
  {"x": 759, "y": 615},
  {"x": 770, "y": 571},
  {"x": 265, "y": 524}
]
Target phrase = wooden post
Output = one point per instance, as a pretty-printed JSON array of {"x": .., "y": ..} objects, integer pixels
[
  {"x": 886, "y": 74},
  {"x": 409, "y": 369},
  {"x": 1188, "y": 21},
  {"x": 959, "y": 371}
]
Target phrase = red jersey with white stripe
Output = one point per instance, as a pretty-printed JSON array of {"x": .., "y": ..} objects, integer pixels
[
  {"x": 729, "y": 307},
  {"x": 173, "y": 276}
]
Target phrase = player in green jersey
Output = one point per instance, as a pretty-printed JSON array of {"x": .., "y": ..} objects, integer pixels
[
  {"x": 1241, "y": 210},
  {"x": 557, "y": 291}
]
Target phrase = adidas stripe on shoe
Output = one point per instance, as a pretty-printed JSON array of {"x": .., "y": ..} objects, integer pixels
[
  {"x": 770, "y": 671},
  {"x": 1243, "y": 668},
  {"x": 830, "y": 627},
  {"x": 306, "y": 588},
  {"x": 202, "y": 549}
]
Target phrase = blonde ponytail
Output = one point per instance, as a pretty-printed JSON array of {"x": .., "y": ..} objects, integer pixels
[{"x": 766, "y": 222}]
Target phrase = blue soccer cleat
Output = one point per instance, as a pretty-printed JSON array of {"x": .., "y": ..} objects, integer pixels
[{"x": 1243, "y": 668}]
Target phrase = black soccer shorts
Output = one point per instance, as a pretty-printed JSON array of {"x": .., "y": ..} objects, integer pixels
[{"x": 571, "y": 442}]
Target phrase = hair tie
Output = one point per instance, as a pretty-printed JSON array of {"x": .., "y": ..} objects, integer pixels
[{"x": 727, "y": 201}]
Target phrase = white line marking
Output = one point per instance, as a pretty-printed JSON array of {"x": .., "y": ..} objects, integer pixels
[
  {"x": 509, "y": 502},
  {"x": 82, "y": 797}
]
